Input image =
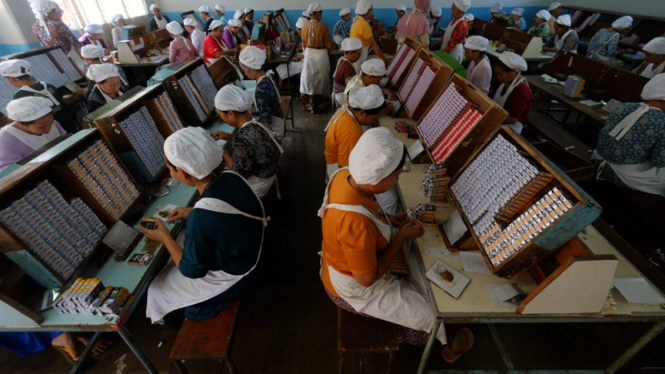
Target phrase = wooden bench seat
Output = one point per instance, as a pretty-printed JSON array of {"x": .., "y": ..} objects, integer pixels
[
  {"x": 359, "y": 334},
  {"x": 211, "y": 338}
]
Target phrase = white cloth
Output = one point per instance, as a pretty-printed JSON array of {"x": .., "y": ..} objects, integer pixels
[
  {"x": 362, "y": 7},
  {"x": 457, "y": 52},
  {"x": 41, "y": 8},
  {"x": 390, "y": 298},
  {"x": 564, "y": 20},
  {"x": 205, "y": 9},
  {"x": 518, "y": 12},
  {"x": 366, "y": 98},
  {"x": 351, "y": 44},
  {"x": 554, "y": 6},
  {"x": 161, "y": 23},
  {"x": 514, "y": 61},
  {"x": 171, "y": 290},
  {"x": 220, "y": 8},
  {"x": 401, "y": 7},
  {"x": 104, "y": 95},
  {"x": 27, "y": 109},
  {"x": 93, "y": 28},
  {"x": 253, "y": 58},
  {"x": 654, "y": 89},
  {"x": 315, "y": 76},
  {"x": 629, "y": 121},
  {"x": 462, "y": 5},
  {"x": 476, "y": 43},
  {"x": 286, "y": 71},
  {"x": 31, "y": 140},
  {"x": 656, "y": 45},
  {"x": 501, "y": 99},
  {"x": 232, "y": 97},
  {"x": 480, "y": 75},
  {"x": 469, "y": 17},
  {"x": 376, "y": 155},
  {"x": 363, "y": 57},
  {"x": 116, "y": 33},
  {"x": 301, "y": 22},
  {"x": 198, "y": 37},
  {"x": 496, "y": 8},
  {"x": 436, "y": 11},
  {"x": 650, "y": 72},
  {"x": 174, "y": 28},
  {"x": 238, "y": 14},
  {"x": 641, "y": 177},
  {"x": 190, "y": 22},
  {"x": 193, "y": 150},
  {"x": 390, "y": 201},
  {"x": 153, "y": 7},
  {"x": 314, "y": 8},
  {"x": 543, "y": 14},
  {"x": 248, "y": 10},
  {"x": 622, "y": 23},
  {"x": 558, "y": 41},
  {"x": 232, "y": 23},
  {"x": 344, "y": 12},
  {"x": 116, "y": 18},
  {"x": 44, "y": 92},
  {"x": 101, "y": 72},
  {"x": 374, "y": 67},
  {"x": 15, "y": 68},
  {"x": 215, "y": 24}
]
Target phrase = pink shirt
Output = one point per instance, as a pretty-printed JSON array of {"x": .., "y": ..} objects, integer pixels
[{"x": 180, "y": 52}]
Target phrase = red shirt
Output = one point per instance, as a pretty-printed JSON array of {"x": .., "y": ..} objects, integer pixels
[
  {"x": 212, "y": 46},
  {"x": 458, "y": 36},
  {"x": 518, "y": 104}
]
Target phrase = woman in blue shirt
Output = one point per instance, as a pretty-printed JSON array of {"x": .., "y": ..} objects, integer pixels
[{"x": 605, "y": 44}]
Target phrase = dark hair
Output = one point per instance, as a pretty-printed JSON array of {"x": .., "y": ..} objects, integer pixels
[
  {"x": 371, "y": 112},
  {"x": 311, "y": 14},
  {"x": 503, "y": 66},
  {"x": 24, "y": 77},
  {"x": 403, "y": 161},
  {"x": 28, "y": 123}
]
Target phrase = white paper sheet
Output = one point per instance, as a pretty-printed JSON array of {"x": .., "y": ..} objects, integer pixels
[
  {"x": 498, "y": 292},
  {"x": 454, "y": 227},
  {"x": 437, "y": 251},
  {"x": 638, "y": 291},
  {"x": 415, "y": 150},
  {"x": 473, "y": 262}
]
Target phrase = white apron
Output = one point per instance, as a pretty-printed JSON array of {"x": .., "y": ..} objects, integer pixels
[
  {"x": 172, "y": 291},
  {"x": 315, "y": 76},
  {"x": 558, "y": 42},
  {"x": 278, "y": 124},
  {"x": 363, "y": 57},
  {"x": 44, "y": 92},
  {"x": 501, "y": 100},
  {"x": 650, "y": 73},
  {"x": 31, "y": 140},
  {"x": 390, "y": 298},
  {"x": 222, "y": 44},
  {"x": 335, "y": 103},
  {"x": 458, "y": 50},
  {"x": 261, "y": 186},
  {"x": 471, "y": 75},
  {"x": 161, "y": 23}
]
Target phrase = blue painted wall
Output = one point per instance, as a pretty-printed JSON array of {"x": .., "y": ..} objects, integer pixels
[{"x": 7, "y": 49}]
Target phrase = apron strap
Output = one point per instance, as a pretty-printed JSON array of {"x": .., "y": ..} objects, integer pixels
[
  {"x": 629, "y": 121},
  {"x": 221, "y": 206},
  {"x": 44, "y": 92},
  {"x": 185, "y": 41},
  {"x": 269, "y": 132}
]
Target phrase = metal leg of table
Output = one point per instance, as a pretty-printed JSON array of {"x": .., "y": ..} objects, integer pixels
[
  {"x": 428, "y": 347},
  {"x": 85, "y": 355},
  {"x": 502, "y": 347},
  {"x": 627, "y": 356},
  {"x": 127, "y": 337}
]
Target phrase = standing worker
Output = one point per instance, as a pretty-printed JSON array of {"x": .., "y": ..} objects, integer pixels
[
  {"x": 181, "y": 49},
  {"x": 118, "y": 22},
  {"x": 159, "y": 21},
  {"x": 457, "y": 31},
  {"x": 315, "y": 76},
  {"x": 363, "y": 31},
  {"x": 197, "y": 36},
  {"x": 49, "y": 28},
  {"x": 415, "y": 25}
]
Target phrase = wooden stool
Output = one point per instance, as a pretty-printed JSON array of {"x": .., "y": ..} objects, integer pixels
[
  {"x": 210, "y": 338},
  {"x": 365, "y": 335}
]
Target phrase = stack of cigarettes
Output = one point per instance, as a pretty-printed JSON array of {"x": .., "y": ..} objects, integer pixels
[
  {"x": 524, "y": 196},
  {"x": 401, "y": 126},
  {"x": 574, "y": 86},
  {"x": 399, "y": 266},
  {"x": 89, "y": 296},
  {"x": 424, "y": 213},
  {"x": 142, "y": 133},
  {"x": 435, "y": 184}
]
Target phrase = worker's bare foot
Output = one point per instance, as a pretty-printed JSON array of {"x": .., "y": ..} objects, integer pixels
[{"x": 100, "y": 347}]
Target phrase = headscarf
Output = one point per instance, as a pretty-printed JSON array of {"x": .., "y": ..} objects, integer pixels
[
  {"x": 469, "y": 17},
  {"x": 543, "y": 14},
  {"x": 376, "y": 155},
  {"x": 476, "y": 43},
  {"x": 653, "y": 90},
  {"x": 301, "y": 22},
  {"x": 344, "y": 12},
  {"x": 366, "y": 98},
  {"x": 232, "y": 97},
  {"x": 374, "y": 67},
  {"x": 205, "y": 9},
  {"x": 253, "y": 58},
  {"x": 414, "y": 23},
  {"x": 314, "y": 8},
  {"x": 220, "y": 8},
  {"x": 554, "y": 6},
  {"x": 401, "y": 7},
  {"x": 15, "y": 68},
  {"x": 193, "y": 150},
  {"x": 351, "y": 44},
  {"x": 41, "y": 8},
  {"x": 174, "y": 28},
  {"x": 622, "y": 23},
  {"x": 116, "y": 18},
  {"x": 564, "y": 20},
  {"x": 437, "y": 12},
  {"x": 305, "y": 13},
  {"x": 92, "y": 51},
  {"x": 363, "y": 7},
  {"x": 29, "y": 108},
  {"x": 102, "y": 72},
  {"x": 462, "y": 5},
  {"x": 248, "y": 10},
  {"x": 232, "y": 23},
  {"x": 190, "y": 22},
  {"x": 496, "y": 8},
  {"x": 153, "y": 7},
  {"x": 518, "y": 12},
  {"x": 513, "y": 61},
  {"x": 238, "y": 14},
  {"x": 657, "y": 46}
]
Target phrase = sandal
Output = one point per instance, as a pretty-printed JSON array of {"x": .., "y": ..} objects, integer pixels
[
  {"x": 462, "y": 340},
  {"x": 67, "y": 353}
]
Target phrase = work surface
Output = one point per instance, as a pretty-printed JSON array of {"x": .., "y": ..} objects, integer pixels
[
  {"x": 556, "y": 91},
  {"x": 543, "y": 57},
  {"x": 474, "y": 303}
]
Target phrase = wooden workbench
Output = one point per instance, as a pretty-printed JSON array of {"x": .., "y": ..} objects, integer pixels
[{"x": 556, "y": 90}]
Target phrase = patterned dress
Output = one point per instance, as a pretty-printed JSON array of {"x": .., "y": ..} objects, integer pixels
[
  {"x": 268, "y": 102},
  {"x": 61, "y": 36},
  {"x": 542, "y": 30},
  {"x": 341, "y": 28},
  {"x": 604, "y": 43},
  {"x": 645, "y": 142},
  {"x": 254, "y": 152}
]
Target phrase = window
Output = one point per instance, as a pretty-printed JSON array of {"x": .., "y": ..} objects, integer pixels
[{"x": 79, "y": 13}]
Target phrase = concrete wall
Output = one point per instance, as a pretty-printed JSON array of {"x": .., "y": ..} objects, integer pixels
[{"x": 17, "y": 20}]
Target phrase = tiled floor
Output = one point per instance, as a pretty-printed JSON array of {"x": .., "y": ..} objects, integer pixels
[{"x": 290, "y": 326}]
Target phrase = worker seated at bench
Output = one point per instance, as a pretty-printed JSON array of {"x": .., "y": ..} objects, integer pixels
[
  {"x": 564, "y": 38},
  {"x": 224, "y": 235},
  {"x": 513, "y": 93},
  {"x": 631, "y": 146}
]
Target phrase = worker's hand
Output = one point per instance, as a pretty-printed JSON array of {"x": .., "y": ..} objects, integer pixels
[
  {"x": 411, "y": 230},
  {"x": 80, "y": 92},
  {"x": 399, "y": 219},
  {"x": 298, "y": 58},
  {"x": 388, "y": 109},
  {"x": 217, "y": 135},
  {"x": 160, "y": 234},
  {"x": 180, "y": 214},
  {"x": 107, "y": 51}
]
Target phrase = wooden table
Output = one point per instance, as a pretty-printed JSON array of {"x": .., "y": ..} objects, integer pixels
[
  {"x": 139, "y": 73},
  {"x": 543, "y": 57},
  {"x": 475, "y": 306},
  {"x": 284, "y": 57},
  {"x": 556, "y": 90}
]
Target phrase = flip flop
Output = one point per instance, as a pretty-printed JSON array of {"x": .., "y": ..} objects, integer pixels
[
  {"x": 67, "y": 353},
  {"x": 463, "y": 337}
]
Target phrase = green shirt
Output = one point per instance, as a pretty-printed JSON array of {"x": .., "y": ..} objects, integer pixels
[
  {"x": 61, "y": 113},
  {"x": 542, "y": 30}
]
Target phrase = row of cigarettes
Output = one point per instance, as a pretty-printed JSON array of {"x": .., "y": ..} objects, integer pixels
[
  {"x": 501, "y": 244},
  {"x": 444, "y": 113},
  {"x": 44, "y": 70},
  {"x": 146, "y": 140},
  {"x": 188, "y": 89},
  {"x": 424, "y": 213},
  {"x": 525, "y": 195},
  {"x": 66, "y": 64},
  {"x": 163, "y": 112},
  {"x": 205, "y": 86},
  {"x": 91, "y": 297},
  {"x": 435, "y": 184},
  {"x": 397, "y": 61}
]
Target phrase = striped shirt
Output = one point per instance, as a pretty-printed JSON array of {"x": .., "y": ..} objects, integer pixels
[{"x": 341, "y": 28}]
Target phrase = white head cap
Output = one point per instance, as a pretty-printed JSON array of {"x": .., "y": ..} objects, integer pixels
[
  {"x": 564, "y": 20},
  {"x": 351, "y": 44},
  {"x": 248, "y": 10},
  {"x": 217, "y": 23},
  {"x": 314, "y": 8},
  {"x": 253, "y": 58},
  {"x": 655, "y": 88},
  {"x": 232, "y": 97},
  {"x": 174, "y": 28},
  {"x": 657, "y": 46},
  {"x": 496, "y": 8},
  {"x": 476, "y": 43},
  {"x": 305, "y": 13},
  {"x": 238, "y": 14},
  {"x": 43, "y": 7},
  {"x": 102, "y": 72},
  {"x": 193, "y": 150},
  {"x": 363, "y": 7},
  {"x": 513, "y": 61},
  {"x": 344, "y": 12},
  {"x": 469, "y": 17},
  {"x": 462, "y": 5},
  {"x": 15, "y": 68},
  {"x": 554, "y": 6},
  {"x": 376, "y": 155},
  {"x": 29, "y": 108},
  {"x": 220, "y": 8},
  {"x": 436, "y": 12},
  {"x": 518, "y": 12},
  {"x": 232, "y": 23},
  {"x": 543, "y": 14},
  {"x": 366, "y": 98},
  {"x": 301, "y": 22},
  {"x": 116, "y": 18},
  {"x": 190, "y": 22},
  {"x": 622, "y": 23},
  {"x": 401, "y": 7},
  {"x": 153, "y": 7},
  {"x": 205, "y": 9},
  {"x": 374, "y": 67},
  {"x": 93, "y": 28},
  {"x": 92, "y": 51}
]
